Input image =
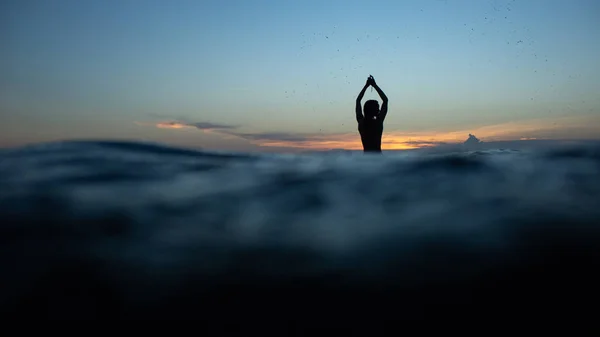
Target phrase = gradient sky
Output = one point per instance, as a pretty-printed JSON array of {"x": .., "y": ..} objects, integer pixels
[{"x": 283, "y": 75}]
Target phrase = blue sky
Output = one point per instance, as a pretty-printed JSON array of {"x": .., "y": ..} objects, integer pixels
[{"x": 281, "y": 75}]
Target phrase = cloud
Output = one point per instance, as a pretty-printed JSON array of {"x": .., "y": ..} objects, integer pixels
[
  {"x": 268, "y": 139},
  {"x": 210, "y": 126},
  {"x": 276, "y": 136},
  {"x": 171, "y": 125},
  {"x": 205, "y": 126},
  {"x": 558, "y": 127},
  {"x": 472, "y": 140}
]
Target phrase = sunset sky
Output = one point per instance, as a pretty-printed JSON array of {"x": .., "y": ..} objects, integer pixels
[{"x": 283, "y": 75}]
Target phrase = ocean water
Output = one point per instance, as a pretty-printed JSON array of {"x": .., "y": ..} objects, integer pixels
[{"x": 124, "y": 230}]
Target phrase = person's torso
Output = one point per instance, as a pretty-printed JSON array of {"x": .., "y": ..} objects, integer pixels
[{"x": 370, "y": 134}]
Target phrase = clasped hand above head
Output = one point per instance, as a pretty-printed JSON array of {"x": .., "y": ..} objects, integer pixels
[{"x": 371, "y": 81}]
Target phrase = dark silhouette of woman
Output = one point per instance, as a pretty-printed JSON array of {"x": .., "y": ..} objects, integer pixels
[{"x": 370, "y": 126}]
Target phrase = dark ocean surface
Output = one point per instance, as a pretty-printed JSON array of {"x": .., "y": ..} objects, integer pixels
[{"x": 119, "y": 230}]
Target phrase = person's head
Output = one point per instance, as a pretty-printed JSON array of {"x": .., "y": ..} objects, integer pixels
[{"x": 371, "y": 108}]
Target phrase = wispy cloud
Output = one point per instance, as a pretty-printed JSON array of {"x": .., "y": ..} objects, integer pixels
[
  {"x": 565, "y": 127},
  {"x": 211, "y": 126},
  {"x": 171, "y": 125},
  {"x": 205, "y": 126}
]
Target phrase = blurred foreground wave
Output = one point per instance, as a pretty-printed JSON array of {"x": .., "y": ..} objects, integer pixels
[{"x": 124, "y": 230}]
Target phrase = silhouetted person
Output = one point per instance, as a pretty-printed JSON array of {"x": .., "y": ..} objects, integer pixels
[{"x": 370, "y": 126}]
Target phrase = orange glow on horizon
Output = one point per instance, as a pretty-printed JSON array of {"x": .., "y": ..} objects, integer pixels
[
  {"x": 351, "y": 142},
  {"x": 347, "y": 141},
  {"x": 398, "y": 140}
]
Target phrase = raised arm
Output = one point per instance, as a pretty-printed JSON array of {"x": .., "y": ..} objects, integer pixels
[
  {"x": 384, "y": 106},
  {"x": 359, "y": 114}
]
